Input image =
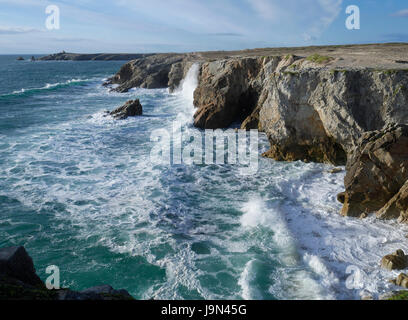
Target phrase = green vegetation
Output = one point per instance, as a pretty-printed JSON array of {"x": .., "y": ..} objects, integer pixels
[
  {"x": 402, "y": 295},
  {"x": 317, "y": 58},
  {"x": 289, "y": 56},
  {"x": 291, "y": 73},
  {"x": 399, "y": 89}
]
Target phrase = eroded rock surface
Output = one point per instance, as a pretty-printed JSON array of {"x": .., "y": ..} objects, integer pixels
[
  {"x": 395, "y": 261},
  {"x": 377, "y": 171}
]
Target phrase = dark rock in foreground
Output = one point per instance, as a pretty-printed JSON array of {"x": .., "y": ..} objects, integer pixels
[
  {"x": 16, "y": 263},
  {"x": 19, "y": 281},
  {"x": 377, "y": 171},
  {"x": 131, "y": 108}
]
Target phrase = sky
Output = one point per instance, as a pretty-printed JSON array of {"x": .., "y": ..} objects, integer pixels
[{"x": 141, "y": 26}]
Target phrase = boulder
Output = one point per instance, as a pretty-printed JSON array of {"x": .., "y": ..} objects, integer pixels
[
  {"x": 377, "y": 169},
  {"x": 402, "y": 280},
  {"x": 395, "y": 261},
  {"x": 131, "y": 108},
  {"x": 16, "y": 263}
]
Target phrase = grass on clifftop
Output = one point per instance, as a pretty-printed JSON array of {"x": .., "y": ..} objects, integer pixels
[{"x": 317, "y": 58}]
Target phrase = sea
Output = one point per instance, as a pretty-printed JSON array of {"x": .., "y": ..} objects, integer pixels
[{"x": 80, "y": 191}]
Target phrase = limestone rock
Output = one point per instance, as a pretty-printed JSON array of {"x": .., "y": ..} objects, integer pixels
[
  {"x": 131, "y": 108},
  {"x": 153, "y": 72},
  {"x": 397, "y": 207},
  {"x": 402, "y": 280},
  {"x": 377, "y": 169},
  {"x": 226, "y": 92},
  {"x": 395, "y": 261}
]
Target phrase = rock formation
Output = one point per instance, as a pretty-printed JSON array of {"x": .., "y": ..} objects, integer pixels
[
  {"x": 19, "y": 281},
  {"x": 401, "y": 281},
  {"x": 153, "y": 72},
  {"x": 131, "y": 108},
  {"x": 377, "y": 171},
  {"x": 395, "y": 261}
]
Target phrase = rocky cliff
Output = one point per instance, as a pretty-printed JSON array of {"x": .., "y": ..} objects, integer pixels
[{"x": 314, "y": 105}]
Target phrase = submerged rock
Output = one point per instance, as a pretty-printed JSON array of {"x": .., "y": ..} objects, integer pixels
[
  {"x": 131, "y": 108},
  {"x": 395, "y": 261},
  {"x": 377, "y": 170}
]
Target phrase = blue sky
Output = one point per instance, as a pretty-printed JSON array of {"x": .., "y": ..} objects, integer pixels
[{"x": 194, "y": 25}]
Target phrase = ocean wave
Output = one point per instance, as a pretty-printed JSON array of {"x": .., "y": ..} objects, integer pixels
[{"x": 48, "y": 86}]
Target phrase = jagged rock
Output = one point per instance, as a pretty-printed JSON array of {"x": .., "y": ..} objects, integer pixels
[
  {"x": 402, "y": 280},
  {"x": 153, "y": 72},
  {"x": 226, "y": 92},
  {"x": 397, "y": 207},
  {"x": 20, "y": 59},
  {"x": 376, "y": 172},
  {"x": 16, "y": 263},
  {"x": 395, "y": 261},
  {"x": 131, "y": 108}
]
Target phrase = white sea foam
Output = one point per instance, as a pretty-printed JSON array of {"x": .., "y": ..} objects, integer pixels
[{"x": 49, "y": 86}]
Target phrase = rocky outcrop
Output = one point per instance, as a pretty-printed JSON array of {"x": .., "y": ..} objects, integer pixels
[
  {"x": 397, "y": 207},
  {"x": 227, "y": 92},
  {"x": 395, "y": 261},
  {"x": 19, "y": 281},
  {"x": 401, "y": 281},
  {"x": 131, "y": 108},
  {"x": 153, "y": 72},
  {"x": 309, "y": 111},
  {"x": 16, "y": 263},
  {"x": 377, "y": 171}
]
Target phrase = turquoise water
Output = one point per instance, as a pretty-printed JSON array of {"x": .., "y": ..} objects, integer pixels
[{"x": 79, "y": 191}]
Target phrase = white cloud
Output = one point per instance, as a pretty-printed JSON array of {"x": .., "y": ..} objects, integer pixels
[
  {"x": 401, "y": 13},
  {"x": 308, "y": 18},
  {"x": 17, "y": 30}
]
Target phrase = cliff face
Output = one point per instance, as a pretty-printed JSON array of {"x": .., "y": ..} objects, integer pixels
[{"x": 309, "y": 111}]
